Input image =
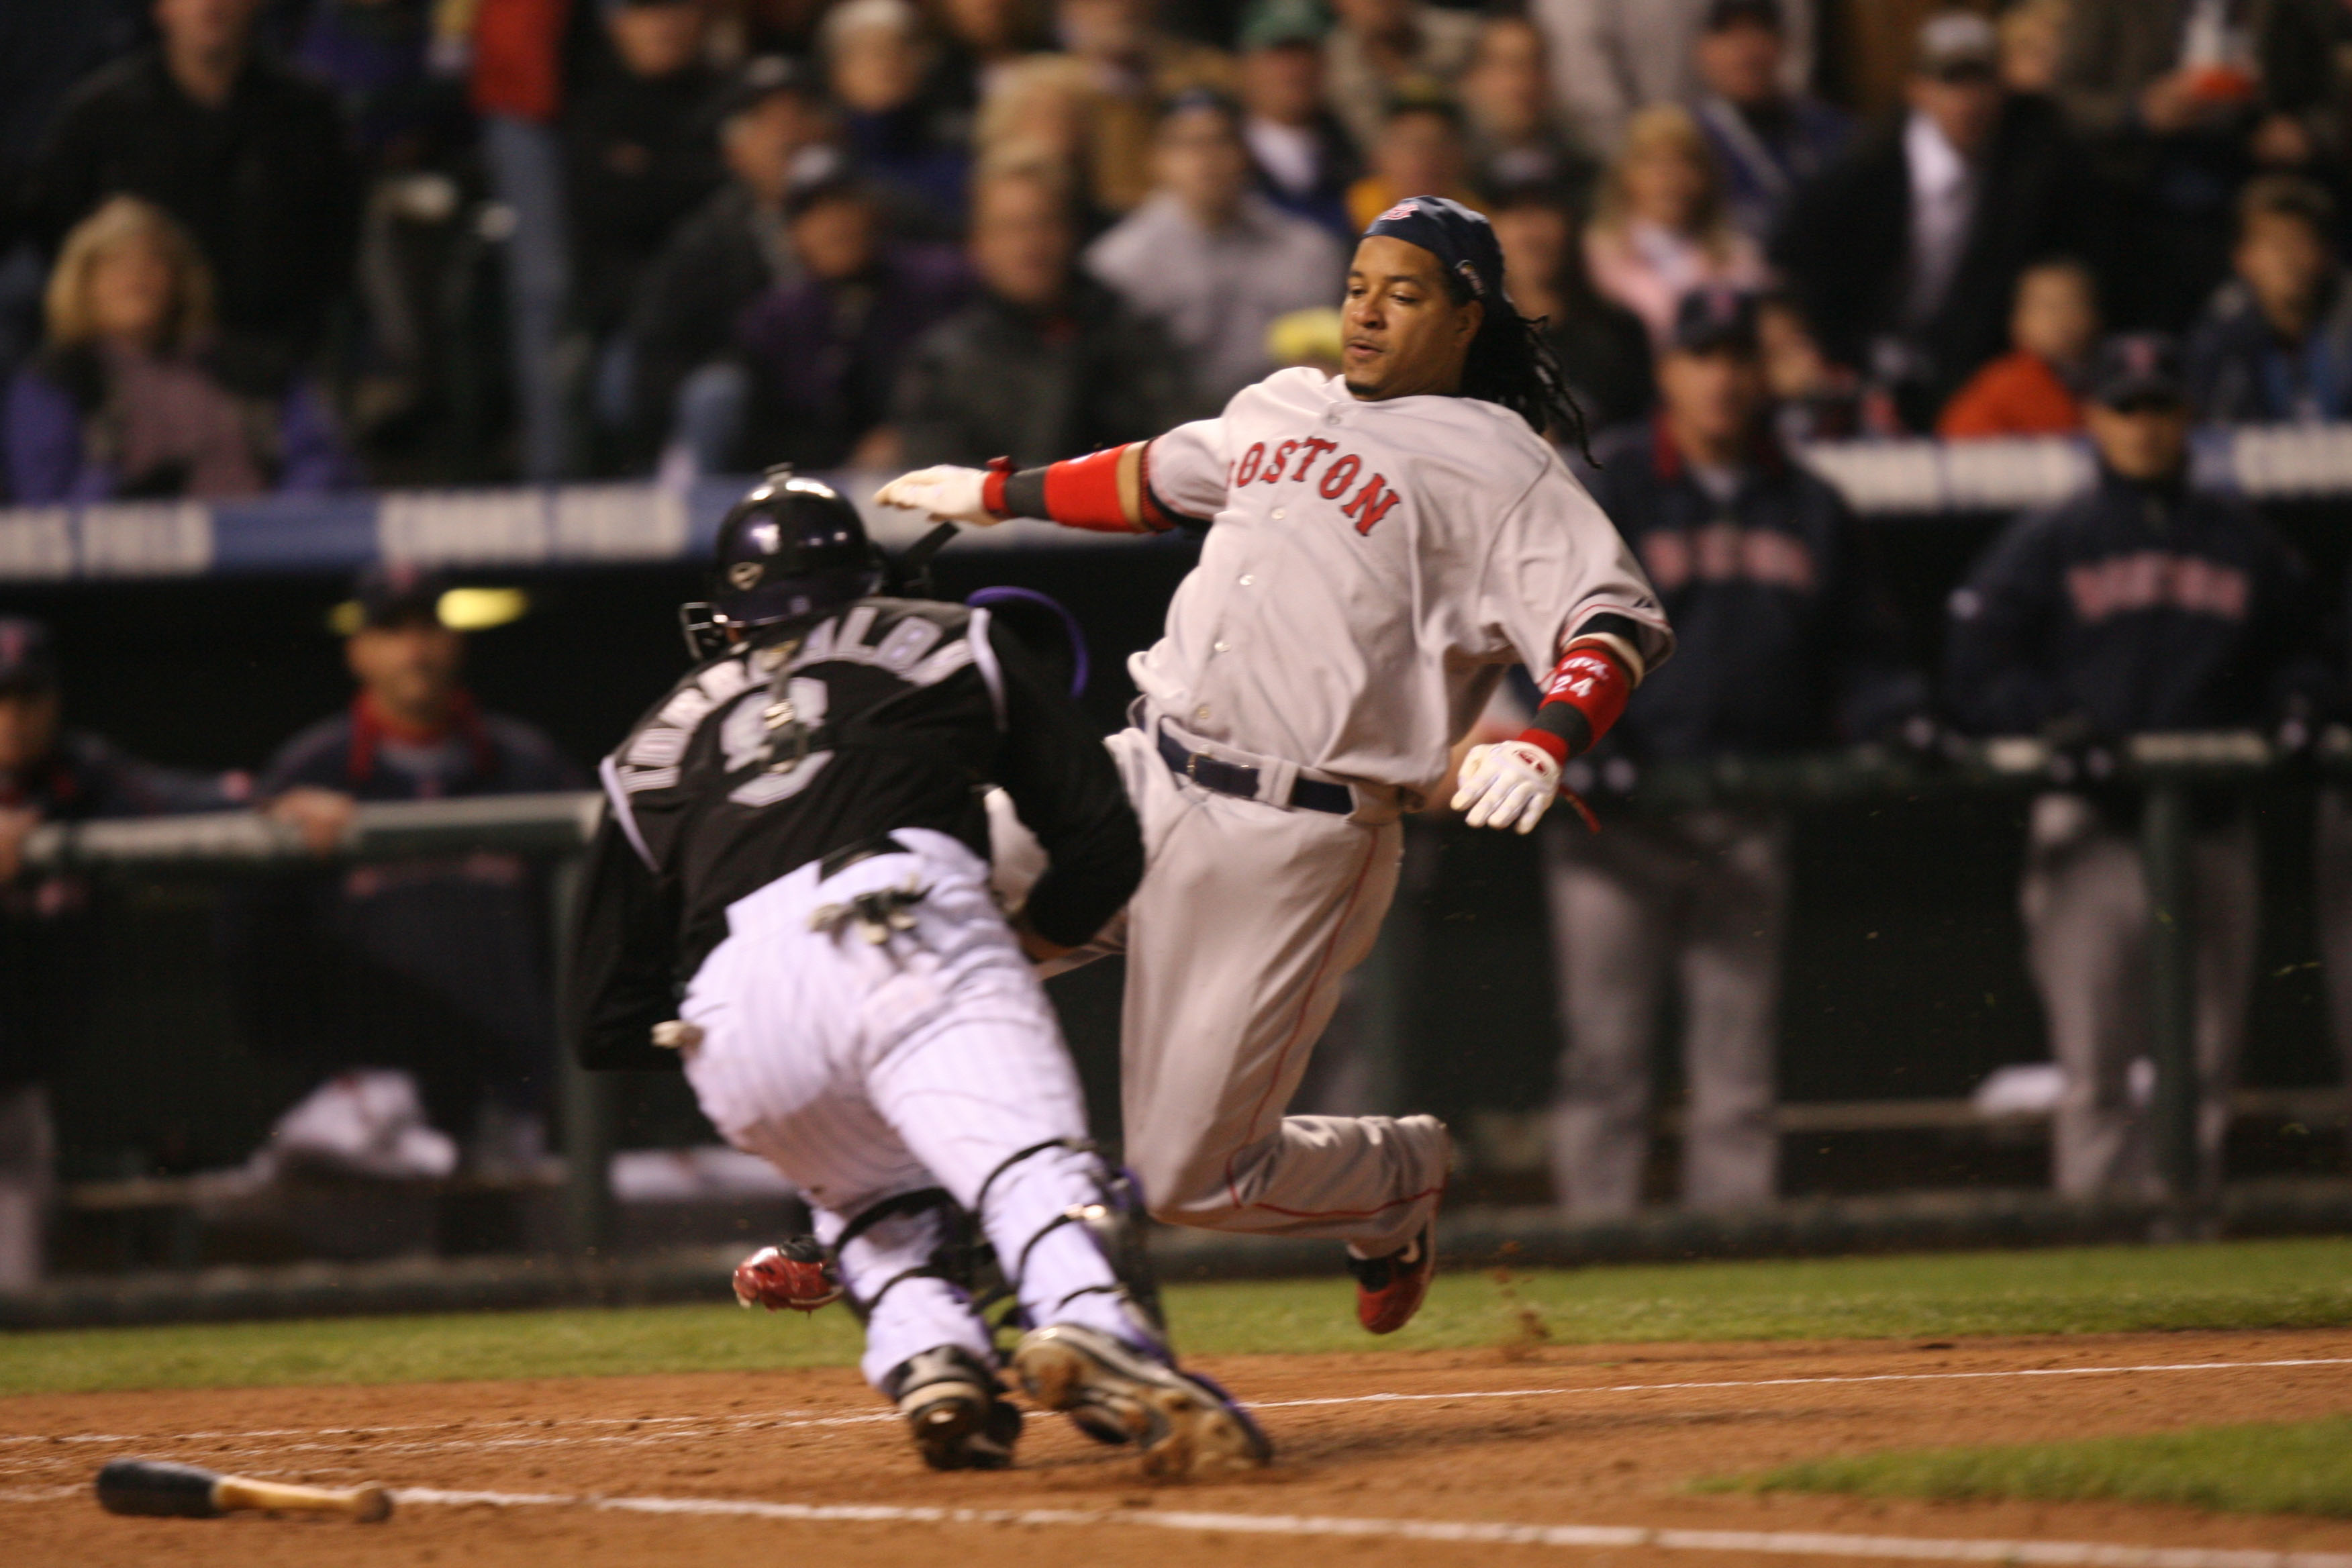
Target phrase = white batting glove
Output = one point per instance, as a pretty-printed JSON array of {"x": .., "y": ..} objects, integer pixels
[
  {"x": 948, "y": 493},
  {"x": 1508, "y": 784}
]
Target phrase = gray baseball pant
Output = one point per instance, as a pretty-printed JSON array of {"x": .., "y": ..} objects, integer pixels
[{"x": 1698, "y": 900}]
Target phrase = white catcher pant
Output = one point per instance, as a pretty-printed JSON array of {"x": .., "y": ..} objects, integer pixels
[{"x": 863, "y": 1071}]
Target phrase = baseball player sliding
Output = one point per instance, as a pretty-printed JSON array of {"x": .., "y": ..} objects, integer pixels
[
  {"x": 1385, "y": 543},
  {"x": 795, "y": 842}
]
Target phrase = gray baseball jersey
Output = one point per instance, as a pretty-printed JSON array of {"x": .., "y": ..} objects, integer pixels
[{"x": 1374, "y": 569}]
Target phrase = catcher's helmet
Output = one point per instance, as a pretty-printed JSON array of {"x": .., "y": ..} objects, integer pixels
[{"x": 792, "y": 547}]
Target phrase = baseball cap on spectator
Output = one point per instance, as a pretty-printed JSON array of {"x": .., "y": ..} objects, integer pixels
[
  {"x": 28, "y": 661},
  {"x": 1959, "y": 46},
  {"x": 1724, "y": 15},
  {"x": 756, "y": 82},
  {"x": 1708, "y": 321},
  {"x": 2139, "y": 369},
  {"x": 1270, "y": 24},
  {"x": 393, "y": 595}
]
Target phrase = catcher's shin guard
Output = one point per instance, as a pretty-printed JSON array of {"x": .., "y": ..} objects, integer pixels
[
  {"x": 1114, "y": 1221},
  {"x": 1184, "y": 1423},
  {"x": 955, "y": 1408}
]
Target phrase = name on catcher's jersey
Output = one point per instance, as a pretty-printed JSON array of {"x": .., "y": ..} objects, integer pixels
[{"x": 1372, "y": 569}]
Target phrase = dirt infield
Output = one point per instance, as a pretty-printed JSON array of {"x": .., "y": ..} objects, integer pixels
[{"x": 1588, "y": 1437}]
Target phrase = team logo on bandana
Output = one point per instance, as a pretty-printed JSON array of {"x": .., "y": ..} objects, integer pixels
[{"x": 1403, "y": 209}]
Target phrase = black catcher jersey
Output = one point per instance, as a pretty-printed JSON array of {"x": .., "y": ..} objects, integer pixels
[{"x": 820, "y": 737}]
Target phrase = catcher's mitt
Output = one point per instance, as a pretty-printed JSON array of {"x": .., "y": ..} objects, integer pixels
[{"x": 796, "y": 1274}]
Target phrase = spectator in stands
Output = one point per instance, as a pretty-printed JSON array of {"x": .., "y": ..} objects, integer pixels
[
  {"x": 2033, "y": 390},
  {"x": 1136, "y": 67},
  {"x": 1782, "y": 643},
  {"x": 774, "y": 131},
  {"x": 128, "y": 397},
  {"x": 1422, "y": 152},
  {"x": 824, "y": 352},
  {"x": 982, "y": 38},
  {"x": 1812, "y": 398},
  {"x": 252, "y": 157},
  {"x": 2275, "y": 345},
  {"x": 1305, "y": 161},
  {"x": 1041, "y": 113},
  {"x": 640, "y": 157},
  {"x": 1603, "y": 348},
  {"x": 1906, "y": 255},
  {"x": 2186, "y": 99},
  {"x": 2140, "y": 604},
  {"x": 434, "y": 970},
  {"x": 1384, "y": 50},
  {"x": 1044, "y": 360},
  {"x": 1659, "y": 228},
  {"x": 1767, "y": 139},
  {"x": 50, "y": 963},
  {"x": 2032, "y": 43},
  {"x": 877, "y": 57},
  {"x": 517, "y": 79},
  {"x": 1209, "y": 259},
  {"x": 1610, "y": 59},
  {"x": 1517, "y": 136}
]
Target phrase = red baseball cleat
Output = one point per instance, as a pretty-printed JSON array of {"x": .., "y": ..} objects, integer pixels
[
  {"x": 796, "y": 1274},
  {"x": 1390, "y": 1290}
]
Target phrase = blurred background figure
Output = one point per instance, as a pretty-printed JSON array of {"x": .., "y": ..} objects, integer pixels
[
  {"x": 1906, "y": 255},
  {"x": 1385, "y": 50},
  {"x": 1041, "y": 113},
  {"x": 1660, "y": 230},
  {"x": 2141, "y": 605},
  {"x": 1303, "y": 158},
  {"x": 1610, "y": 59},
  {"x": 1518, "y": 134},
  {"x": 2275, "y": 343},
  {"x": 420, "y": 987},
  {"x": 1603, "y": 348},
  {"x": 1208, "y": 259},
  {"x": 2033, "y": 44},
  {"x": 1767, "y": 139},
  {"x": 774, "y": 131},
  {"x": 132, "y": 396},
  {"x": 2183, "y": 100},
  {"x": 50, "y": 968},
  {"x": 823, "y": 354},
  {"x": 639, "y": 156},
  {"x": 1782, "y": 642},
  {"x": 250, "y": 155},
  {"x": 1043, "y": 360},
  {"x": 2035, "y": 389},
  {"x": 1420, "y": 152},
  {"x": 879, "y": 59},
  {"x": 980, "y": 41},
  {"x": 1135, "y": 67},
  {"x": 1308, "y": 340},
  {"x": 1814, "y": 399}
]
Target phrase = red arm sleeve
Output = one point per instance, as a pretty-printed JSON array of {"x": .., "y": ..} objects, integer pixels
[
  {"x": 1107, "y": 491},
  {"x": 1581, "y": 699}
]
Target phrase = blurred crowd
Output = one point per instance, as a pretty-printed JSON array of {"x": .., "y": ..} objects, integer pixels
[
  {"x": 256, "y": 245},
  {"x": 294, "y": 244}
]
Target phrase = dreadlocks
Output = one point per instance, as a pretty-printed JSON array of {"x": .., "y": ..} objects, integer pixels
[{"x": 1511, "y": 363}]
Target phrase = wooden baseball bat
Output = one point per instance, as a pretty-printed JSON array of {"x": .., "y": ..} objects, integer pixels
[{"x": 158, "y": 1487}]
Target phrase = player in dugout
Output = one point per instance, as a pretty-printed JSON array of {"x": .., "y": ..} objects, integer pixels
[
  {"x": 419, "y": 989},
  {"x": 49, "y": 958},
  {"x": 1386, "y": 542},
  {"x": 2143, "y": 604}
]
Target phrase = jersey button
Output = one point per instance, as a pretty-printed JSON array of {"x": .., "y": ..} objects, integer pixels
[
  {"x": 1278, "y": 515},
  {"x": 1224, "y": 646},
  {"x": 1248, "y": 581},
  {"x": 1332, "y": 416},
  {"x": 1202, "y": 712}
]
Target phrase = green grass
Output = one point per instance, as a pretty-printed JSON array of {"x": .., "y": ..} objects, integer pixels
[
  {"x": 2304, "y": 1467},
  {"x": 2235, "y": 1285}
]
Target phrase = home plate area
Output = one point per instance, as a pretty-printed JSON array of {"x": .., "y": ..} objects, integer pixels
[{"x": 1583, "y": 1454}]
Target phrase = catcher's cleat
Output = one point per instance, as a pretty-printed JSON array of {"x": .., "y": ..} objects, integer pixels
[
  {"x": 956, "y": 1409},
  {"x": 1390, "y": 1289},
  {"x": 1184, "y": 1423},
  {"x": 796, "y": 1274}
]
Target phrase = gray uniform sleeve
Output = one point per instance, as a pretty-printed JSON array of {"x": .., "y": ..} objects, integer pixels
[
  {"x": 1188, "y": 468},
  {"x": 1558, "y": 569}
]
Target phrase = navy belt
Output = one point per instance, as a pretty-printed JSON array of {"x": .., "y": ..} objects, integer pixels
[{"x": 1233, "y": 778}]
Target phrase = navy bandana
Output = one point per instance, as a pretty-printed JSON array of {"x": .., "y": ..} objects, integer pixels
[{"x": 1462, "y": 242}]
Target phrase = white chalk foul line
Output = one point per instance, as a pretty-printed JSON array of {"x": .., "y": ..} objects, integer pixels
[
  {"x": 1785, "y": 1544},
  {"x": 692, "y": 1426}
]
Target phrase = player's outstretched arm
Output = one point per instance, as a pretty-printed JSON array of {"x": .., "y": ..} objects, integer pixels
[
  {"x": 1511, "y": 784},
  {"x": 1143, "y": 486}
]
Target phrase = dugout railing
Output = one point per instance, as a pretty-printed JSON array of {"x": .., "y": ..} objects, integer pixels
[{"x": 554, "y": 830}]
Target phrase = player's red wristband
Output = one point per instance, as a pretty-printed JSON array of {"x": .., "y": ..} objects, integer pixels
[
  {"x": 991, "y": 489},
  {"x": 1102, "y": 491},
  {"x": 1588, "y": 683}
]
